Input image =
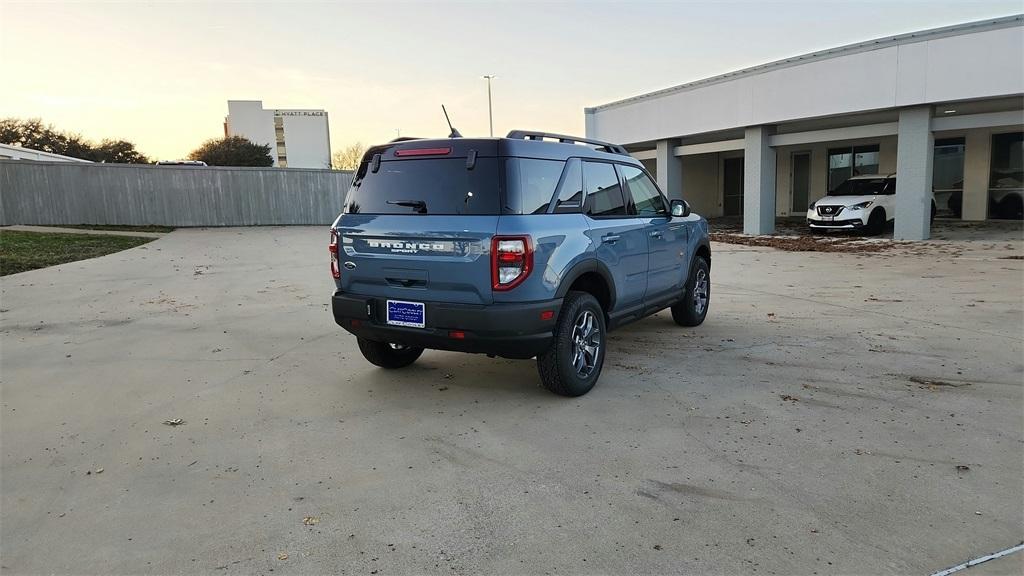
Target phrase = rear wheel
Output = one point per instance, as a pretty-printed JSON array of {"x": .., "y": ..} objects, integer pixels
[
  {"x": 693, "y": 308},
  {"x": 387, "y": 355},
  {"x": 573, "y": 363}
]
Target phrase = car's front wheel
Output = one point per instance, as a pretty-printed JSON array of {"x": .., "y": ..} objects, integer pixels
[
  {"x": 388, "y": 355},
  {"x": 876, "y": 222},
  {"x": 693, "y": 308},
  {"x": 573, "y": 363}
]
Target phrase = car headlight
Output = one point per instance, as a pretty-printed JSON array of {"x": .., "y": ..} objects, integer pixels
[{"x": 861, "y": 206}]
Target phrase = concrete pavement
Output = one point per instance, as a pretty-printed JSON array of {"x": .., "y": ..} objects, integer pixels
[{"x": 814, "y": 424}]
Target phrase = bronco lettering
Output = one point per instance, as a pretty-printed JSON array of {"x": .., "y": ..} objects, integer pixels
[{"x": 409, "y": 247}]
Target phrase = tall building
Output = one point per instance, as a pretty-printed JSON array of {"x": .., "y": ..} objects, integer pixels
[{"x": 297, "y": 138}]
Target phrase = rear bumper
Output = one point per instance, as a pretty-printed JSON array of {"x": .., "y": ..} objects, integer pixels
[{"x": 507, "y": 330}]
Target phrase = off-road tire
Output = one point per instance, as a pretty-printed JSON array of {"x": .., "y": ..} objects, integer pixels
[
  {"x": 386, "y": 355},
  {"x": 686, "y": 312},
  {"x": 555, "y": 366}
]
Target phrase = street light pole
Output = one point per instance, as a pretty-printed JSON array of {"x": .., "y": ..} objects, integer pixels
[{"x": 490, "y": 109}]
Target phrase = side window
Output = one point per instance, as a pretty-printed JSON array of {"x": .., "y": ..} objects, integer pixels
[
  {"x": 647, "y": 201},
  {"x": 570, "y": 195},
  {"x": 604, "y": 194},
  {"x": 531, "y": 183}
]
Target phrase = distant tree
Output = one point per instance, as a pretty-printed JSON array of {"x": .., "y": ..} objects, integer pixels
[
  {"x": 32, "y": 133},
  {"x": 118, "y": 152},
  {"x": 348, "y": 158},
  {"x": 233, "y": 151}
]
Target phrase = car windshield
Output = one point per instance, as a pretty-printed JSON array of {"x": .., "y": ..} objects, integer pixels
[{"x": 863, "y": 187}]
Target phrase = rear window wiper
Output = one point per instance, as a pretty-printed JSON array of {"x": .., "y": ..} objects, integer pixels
[{"x": 419, "y": 205}]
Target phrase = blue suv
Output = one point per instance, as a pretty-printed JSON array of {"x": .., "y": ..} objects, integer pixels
[{"x": 532, "y": 245}]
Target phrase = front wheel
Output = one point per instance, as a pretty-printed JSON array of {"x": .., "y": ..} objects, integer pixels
[
  {"x": 573, "y": 363},
  {"x": 387, "y": 355},
  {"x": 693, "y": 308},
  {"x": 876, "y": 223}
]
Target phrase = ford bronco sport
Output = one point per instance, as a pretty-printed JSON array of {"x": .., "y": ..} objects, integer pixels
[{"x": 532, "y": 245}]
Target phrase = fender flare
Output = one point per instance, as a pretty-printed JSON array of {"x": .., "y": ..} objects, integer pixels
[{"x": 582, "y": 267}]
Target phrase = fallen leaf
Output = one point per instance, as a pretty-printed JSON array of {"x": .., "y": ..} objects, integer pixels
[
  {"x": 310, "y": 520},
  {"x": 174, "y": 422},
  {"x": 789, "y": 398},
  {"x": 962, "y": 468},
  {"x": 282, "y": 556}
]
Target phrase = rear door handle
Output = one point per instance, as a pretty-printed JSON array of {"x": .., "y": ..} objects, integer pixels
[
  {"x": 610, "y": 238},
  {"x": 656, "y": 234}
]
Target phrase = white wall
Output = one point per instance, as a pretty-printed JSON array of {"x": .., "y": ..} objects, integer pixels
[
  {"x": 8, "y": 152},
  {"x": 307, "y": 141},
  {"x": 248, "y": 119},
  {"x": 983, "y": 63}
]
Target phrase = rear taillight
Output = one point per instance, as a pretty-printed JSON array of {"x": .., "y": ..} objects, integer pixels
[
  {"x": 333, "y": 249},
  {"x": 511, "y": 261}
]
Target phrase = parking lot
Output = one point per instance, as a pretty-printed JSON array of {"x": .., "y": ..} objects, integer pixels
[{"x": 836, "y": 413}]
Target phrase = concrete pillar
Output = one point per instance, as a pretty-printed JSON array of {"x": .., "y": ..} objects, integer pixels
[
  {"x": 977, "y": 157},
  {"x": 589, "y": 123},
  {"x": 915, "y": 148},
  {"x": 670, "y": 169},
  {"x": 758, "y": 181}
]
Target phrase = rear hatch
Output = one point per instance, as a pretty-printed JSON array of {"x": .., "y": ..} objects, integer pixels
[{"x": 418, "y": 222}]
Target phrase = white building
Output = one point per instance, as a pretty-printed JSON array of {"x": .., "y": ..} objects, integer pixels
[
  {"x": 297, "y": 138},
  {"x": 942, "y": 108},
  {"x": 8, "y": 152}
]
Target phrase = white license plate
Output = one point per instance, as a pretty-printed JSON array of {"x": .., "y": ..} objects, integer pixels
[{"x": 410, "y": 314}]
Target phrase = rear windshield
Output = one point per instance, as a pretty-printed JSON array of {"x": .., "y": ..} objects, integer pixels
[
  {"x": 428, "y": 186},
  {"x": 864, "y": 187}
]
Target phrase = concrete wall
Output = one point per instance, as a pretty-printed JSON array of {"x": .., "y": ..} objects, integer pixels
[
  {"x": 702, "y": 186},
  {"x": 956, "y": 63},
  {"x": 56, "y": 193}
]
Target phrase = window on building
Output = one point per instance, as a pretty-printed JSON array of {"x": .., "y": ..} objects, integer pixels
[
  {"x": 1006, "y": 177},
  {"x": 847, "y": 162},
  {"x": 604, "y": 194},
  {"x": 948, "y": 177}
]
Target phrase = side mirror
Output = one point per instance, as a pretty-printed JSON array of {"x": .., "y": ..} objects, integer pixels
[{"x": 680, "y": 208}]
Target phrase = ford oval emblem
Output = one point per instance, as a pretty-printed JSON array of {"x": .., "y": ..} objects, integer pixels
[{"x": 350, "y": 265}]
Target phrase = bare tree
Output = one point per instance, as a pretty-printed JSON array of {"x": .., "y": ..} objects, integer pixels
[{"x": 349, "y": 157}]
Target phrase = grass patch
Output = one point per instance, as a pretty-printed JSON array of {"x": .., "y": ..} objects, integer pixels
[
  {"x": 21, "y": 251},
  {"x": 120, "y": 228}
]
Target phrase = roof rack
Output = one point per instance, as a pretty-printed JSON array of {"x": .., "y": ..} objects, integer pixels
[{"x": 604, "y": 146}]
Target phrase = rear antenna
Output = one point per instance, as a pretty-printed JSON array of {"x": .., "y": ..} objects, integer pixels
[{"x": 454, "y": 133}]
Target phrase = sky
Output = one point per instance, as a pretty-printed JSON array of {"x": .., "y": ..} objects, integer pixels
[{"x": 160, "y": 73}]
